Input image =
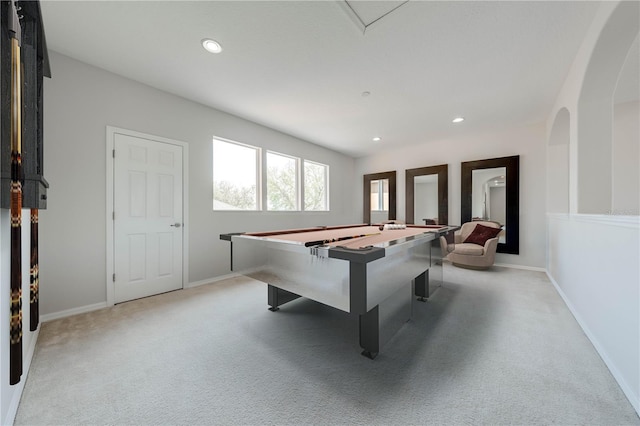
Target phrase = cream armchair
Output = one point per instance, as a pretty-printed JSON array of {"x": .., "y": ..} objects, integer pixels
[{"x": 468, "y": 254}]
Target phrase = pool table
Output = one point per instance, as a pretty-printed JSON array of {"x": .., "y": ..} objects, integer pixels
[{"x": 361, "y": 269}]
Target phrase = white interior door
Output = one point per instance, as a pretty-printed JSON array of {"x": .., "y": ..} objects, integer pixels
[{"x": 148, "y": 225}]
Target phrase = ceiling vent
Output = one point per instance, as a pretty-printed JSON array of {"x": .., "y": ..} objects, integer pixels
[{"x": 366, "y": 13}]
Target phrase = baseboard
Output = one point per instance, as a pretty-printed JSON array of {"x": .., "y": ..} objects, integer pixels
[
  {"x": 626, "y": 389},
  {"x": 526, "y": 268},
  {"x": 512, "y": 266},
  {"x": 211, "y": 280},
  {"x": 26, "y": 364},
  {"x": 102, "y": 305},
  {"x": 73, "y": 311}
]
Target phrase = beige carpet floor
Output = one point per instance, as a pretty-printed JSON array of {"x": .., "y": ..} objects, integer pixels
[{"x": 490, "y": 347}]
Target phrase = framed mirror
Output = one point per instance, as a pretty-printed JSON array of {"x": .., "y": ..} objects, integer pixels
[
  {"x": 490, "y": 190},
  {"x": 379, "y": 195},
  {"x": 427, "y": 195}
]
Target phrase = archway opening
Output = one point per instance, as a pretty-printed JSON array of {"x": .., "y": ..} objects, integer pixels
[{"x": 595, "y": 110}]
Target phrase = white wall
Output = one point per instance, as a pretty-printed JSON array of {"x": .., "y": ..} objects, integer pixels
[
  {"x": 498, "y": 205},
  {"x": 626, "y": 159},
  {"x": 593, "y": 259},
  {"x": 558, "y": 164},
  {"x": 80, "y": 101},
  {"x": 377, "y": 216},
  {"x": 425, "y": 201},
  {"x": 594, "y": 264},
  {"x": 528, "y": 142}
]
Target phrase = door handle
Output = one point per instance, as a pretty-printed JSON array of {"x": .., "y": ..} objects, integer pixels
[{"x": 177, "y": 225}]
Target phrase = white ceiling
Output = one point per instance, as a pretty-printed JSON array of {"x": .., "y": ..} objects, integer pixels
[{"x": 301, "y": 66}]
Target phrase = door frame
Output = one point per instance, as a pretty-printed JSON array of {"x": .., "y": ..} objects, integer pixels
[{"x": 111, "y": 132}]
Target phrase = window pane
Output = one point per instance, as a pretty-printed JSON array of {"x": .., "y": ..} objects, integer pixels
[
  {"x": 375, "y": 195},
  {"x": 385, "y": 195},
  {"x": 380, "y": 195},
  {"x": 282, "y": 185},
  {"x": 315, "y": 186},
  {"x": 234, "y": 176}
]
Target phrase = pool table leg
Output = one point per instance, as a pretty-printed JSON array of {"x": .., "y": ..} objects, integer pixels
[
  {"x": 370, "y": 333},
  {"x": 277, "y": 296},
  {"x": 421, "y": 286}
]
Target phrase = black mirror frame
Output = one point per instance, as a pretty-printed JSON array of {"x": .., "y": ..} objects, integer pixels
[
  {"x": 442, "y": 171},
  {"x": 366, "y": 194},
  {"x": 512, "y": 165}
]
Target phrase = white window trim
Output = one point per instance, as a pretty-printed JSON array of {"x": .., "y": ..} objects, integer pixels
[
  {"x": 259, "y": 167},
  {"x": 299, "y": 191},
  {"x": 262, "y": 201},
  {"x": 326, "y": 186}
]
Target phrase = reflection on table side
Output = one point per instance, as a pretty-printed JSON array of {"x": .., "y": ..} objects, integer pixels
[{"x": 373, "y": 273}]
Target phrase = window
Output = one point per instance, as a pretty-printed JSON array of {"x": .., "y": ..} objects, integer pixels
[
  {"x": 316, "y": 179},
  {"x": 380, "y": 195},
  {"x": 235, "y": 176},
  {"x": 244, "y": 179},
  {"x": 282, "y": 182}
]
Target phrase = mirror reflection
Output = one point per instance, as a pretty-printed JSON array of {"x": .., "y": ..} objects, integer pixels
[
  {"x": 379, "y": 200},
  {"x": 484, "y": 196},
  {"x": 489, "y": 197},
  {"x": 425, "y": 199},
  {"x": 379, "y": 197}
]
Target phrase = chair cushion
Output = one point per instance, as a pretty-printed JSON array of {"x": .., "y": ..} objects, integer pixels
[
  {"x": 469, "y": 249},
  {"x": 481, "y": 234}
]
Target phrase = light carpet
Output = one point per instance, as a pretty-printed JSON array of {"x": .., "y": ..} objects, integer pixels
[{"x": 489, "y": 347}]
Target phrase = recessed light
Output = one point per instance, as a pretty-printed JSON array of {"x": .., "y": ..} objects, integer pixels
[
  {"x": 365, "y": 94},
  {"x": 377, "y": 139},
  {"x": 211, "y": 45},
  {"x": 458, "y": 120}
]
